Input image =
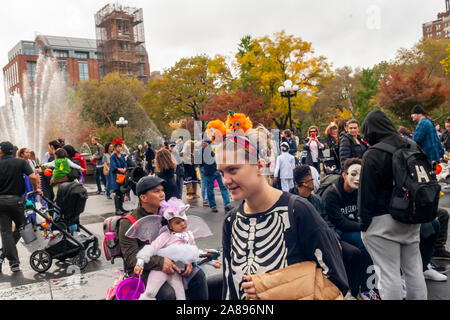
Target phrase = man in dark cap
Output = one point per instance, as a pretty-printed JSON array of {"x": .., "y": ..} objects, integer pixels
[
  {"x": 150, "y": 191},
  {"x": 425, "y": 135},
  {"x": 12, "y": 187}
]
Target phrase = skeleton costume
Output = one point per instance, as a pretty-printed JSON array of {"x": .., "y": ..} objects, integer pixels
[{"x": 271, "y": 240}]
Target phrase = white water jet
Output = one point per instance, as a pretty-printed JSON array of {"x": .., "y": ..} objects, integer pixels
[{"x": 25, "y": 121}]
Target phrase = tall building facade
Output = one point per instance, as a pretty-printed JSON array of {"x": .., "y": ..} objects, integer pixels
[
  {"x": 439, "y": 28},
  {"x": 76, "y": 58},
  {"x": 121, "y": 41}
]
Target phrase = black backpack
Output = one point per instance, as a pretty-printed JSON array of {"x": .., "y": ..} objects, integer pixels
[
  {"x": 415, "y": 196},
  {"x": 71, "y": 199}
]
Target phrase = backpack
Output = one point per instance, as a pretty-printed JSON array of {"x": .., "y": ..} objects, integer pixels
[
  {"x": 415, "y": 196},
  {"x": 111, "y": 246},
  {"x": 71, "y": 199},
  {"x": 326, "y": 182}
]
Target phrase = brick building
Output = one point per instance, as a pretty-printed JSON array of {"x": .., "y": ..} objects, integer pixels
[
  {"x": 76, "y": 57},
  {"x": 439, "y": 28}
]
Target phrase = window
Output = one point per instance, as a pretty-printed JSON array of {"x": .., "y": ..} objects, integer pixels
[
  {"x": 29, "y": 52},
  {"x": 62, "y": 66},
  {"x": 438, "y": 34},
  {"x": 428, "y": 29},
  {"x": 83, "y": 70},
  {"x": 61, "y": 54},
  {"x": 438, "y": 27},
  {"x": 31, "y": 70},
  {"x": 81, "y": 55}
]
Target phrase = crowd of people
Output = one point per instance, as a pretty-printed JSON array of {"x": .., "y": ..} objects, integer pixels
[{"x": 340, "y": 217}]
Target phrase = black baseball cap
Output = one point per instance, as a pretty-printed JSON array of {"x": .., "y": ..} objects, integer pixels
[
  {"x": 7, "y": 148},
  {"x": 148, "y": 183}
]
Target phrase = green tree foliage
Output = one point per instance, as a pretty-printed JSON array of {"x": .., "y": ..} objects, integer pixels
[
  {"x": 104, "y": 102},
  {"x": 184, "y": 88}
]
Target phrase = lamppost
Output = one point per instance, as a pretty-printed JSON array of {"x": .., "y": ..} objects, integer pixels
[
  {"x": 122, "y": 123},
  {"x": 288, "y": 91}
]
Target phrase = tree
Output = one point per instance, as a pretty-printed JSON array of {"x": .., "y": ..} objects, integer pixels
[
  {"x": 399, "y": 93},
  {"x": 247, "y": 102},
  {"x": 337, "y": 96},
  {"x": 370, "y": 79},
  {"x": 184, "y": 89},
  {"x": 446, "y": 62},
  {"x": 267, "y": 62},
  {"x": 104, "y": 102}
]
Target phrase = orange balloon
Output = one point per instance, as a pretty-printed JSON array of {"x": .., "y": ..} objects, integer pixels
[
  {"x": 438, "y": 168},
  {"x": 48, "y": 172}
]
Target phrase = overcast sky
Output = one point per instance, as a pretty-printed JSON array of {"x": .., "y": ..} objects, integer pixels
[{"x": 359, "y": 33}]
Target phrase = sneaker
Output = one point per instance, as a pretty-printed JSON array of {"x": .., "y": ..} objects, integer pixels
[
  {"x": 437, "y": 267},
  {"x": 368, "y": 295},
  {"x": 214, "y": 209},
  {"x": 15, "y": 268},
  {"x": 442, "y": 255},
  {"x": 196, "y": 196},
  {"x": 205, "y": 203},
  {"x": 433, "y": 275},
  {"x": 99, "y": 192},
  {"x": 189, "y": 197},
  {"x": 108, "y": 197}
]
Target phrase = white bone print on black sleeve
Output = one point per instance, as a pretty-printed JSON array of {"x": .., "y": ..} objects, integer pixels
[{"x": 258, "y": 244}]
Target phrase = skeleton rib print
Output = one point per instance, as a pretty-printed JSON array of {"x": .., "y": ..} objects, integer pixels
[{"x": 258, "y": 244}]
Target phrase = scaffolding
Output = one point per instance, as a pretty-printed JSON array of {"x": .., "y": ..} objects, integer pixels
[{"x": 121, "y": 41}]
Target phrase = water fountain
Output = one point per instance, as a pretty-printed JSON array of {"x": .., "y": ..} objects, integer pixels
[{"x": 29, "y": 121}]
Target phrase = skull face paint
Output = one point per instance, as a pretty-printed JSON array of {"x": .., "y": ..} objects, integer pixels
[{"x": 353, "y": 173}]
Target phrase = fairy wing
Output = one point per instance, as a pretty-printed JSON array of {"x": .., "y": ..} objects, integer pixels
[
  {"x": 145, "y": 229},
  {"x": 198, "y": 227}
]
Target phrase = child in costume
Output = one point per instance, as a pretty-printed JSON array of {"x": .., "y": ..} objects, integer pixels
[
  {"x": 62, "y": 167},
  {"x": 175, "y": 241}
]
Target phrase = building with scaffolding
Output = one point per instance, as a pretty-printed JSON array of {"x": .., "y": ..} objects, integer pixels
[{"x": 121, "y": 42}]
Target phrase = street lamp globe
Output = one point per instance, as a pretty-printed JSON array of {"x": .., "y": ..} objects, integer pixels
[
  {"x": 281, "y": 89},
  {"x": 288, "y": 88},
  {"x": 288, "y": 83},
  {"x": 295, "y": 88}
]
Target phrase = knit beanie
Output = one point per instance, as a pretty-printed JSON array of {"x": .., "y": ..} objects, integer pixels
[{"x": 418, "y": 110}]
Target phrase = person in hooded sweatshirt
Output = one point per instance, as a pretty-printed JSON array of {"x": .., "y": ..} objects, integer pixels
[{"x": 393, "y": 245}]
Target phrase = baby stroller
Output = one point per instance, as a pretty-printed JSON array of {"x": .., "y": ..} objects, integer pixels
[{"x": 71, "y": 240}]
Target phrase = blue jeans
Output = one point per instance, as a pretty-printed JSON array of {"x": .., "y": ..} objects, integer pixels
[
  {"x": 354, "y": 238},
  {"x": 210, "y": 190},
  {"x": 203, "y": 184},
  {"x": 108, "y": 192},
  {"x": 99, "y": 177}
]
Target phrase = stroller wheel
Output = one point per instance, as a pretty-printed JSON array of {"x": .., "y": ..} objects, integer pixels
[
  {"x": 40, "y": 261},
  {"x": 80, "y": 262},
  {"x": 93, "y": 254}
]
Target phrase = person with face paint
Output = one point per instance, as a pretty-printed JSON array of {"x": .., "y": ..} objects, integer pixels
[{"x": 341, "y": 206}]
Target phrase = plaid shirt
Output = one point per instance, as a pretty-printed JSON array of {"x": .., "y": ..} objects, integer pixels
[{"x": 427, "y": 138}]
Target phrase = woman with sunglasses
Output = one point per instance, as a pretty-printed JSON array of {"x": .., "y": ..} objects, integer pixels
[{"x": 314, "y": 147}]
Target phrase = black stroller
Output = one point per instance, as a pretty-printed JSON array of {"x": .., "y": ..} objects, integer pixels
[{"x": 69, "y": 242}]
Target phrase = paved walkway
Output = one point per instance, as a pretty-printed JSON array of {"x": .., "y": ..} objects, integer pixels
[{"x": 64, "y": 282}]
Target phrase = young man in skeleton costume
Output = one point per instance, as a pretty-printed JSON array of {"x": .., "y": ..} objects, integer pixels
[
  {"x": 341, "y": 206},
  {"x": 260, "y": 236}
]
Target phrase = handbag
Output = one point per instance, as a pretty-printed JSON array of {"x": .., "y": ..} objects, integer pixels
[{"x": 120, "y": 179}]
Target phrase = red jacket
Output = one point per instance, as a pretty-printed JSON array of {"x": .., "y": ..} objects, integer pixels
[{"x": 78, "y": 157}]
